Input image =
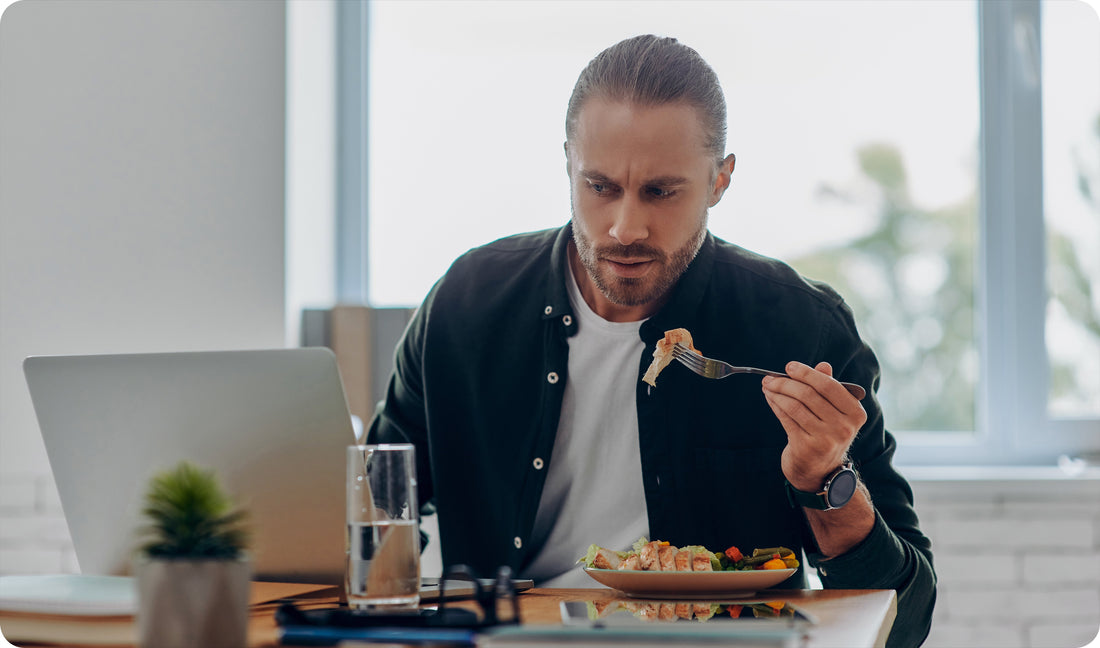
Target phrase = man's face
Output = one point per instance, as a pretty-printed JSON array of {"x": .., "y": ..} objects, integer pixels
[{"x": 641, "y": 182}]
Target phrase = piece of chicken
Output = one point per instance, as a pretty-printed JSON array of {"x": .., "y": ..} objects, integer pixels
[
  {"x": 662, "y": 355},
  {"x": 667, "y": 557},
  {"x": 682, "y": 559},
  {"x": 606, "y": 559},
  {"x": 701, "y": 562},
  {"x": 648, "y": 556}
]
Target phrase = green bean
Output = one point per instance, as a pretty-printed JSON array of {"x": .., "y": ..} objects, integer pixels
[{"x": 782, "y": 551}]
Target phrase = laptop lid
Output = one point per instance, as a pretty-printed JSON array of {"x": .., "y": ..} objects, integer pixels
[{"x": 271, "y": 424}]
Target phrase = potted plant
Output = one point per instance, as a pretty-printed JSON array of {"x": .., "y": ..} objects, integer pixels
[{"x": 193, "y": 573}]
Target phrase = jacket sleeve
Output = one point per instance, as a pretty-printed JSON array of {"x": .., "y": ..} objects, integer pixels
[
  {"x": 402, "y": 416},
  {"x": 896, "y": 554},
  {"x": 889, "y": 558}
]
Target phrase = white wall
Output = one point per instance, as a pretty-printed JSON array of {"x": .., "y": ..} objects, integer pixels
[
  {"x": 1017, "y": 554},
  {"x": 141, "y": 193}
]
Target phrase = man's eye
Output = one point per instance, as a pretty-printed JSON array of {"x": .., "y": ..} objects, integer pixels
[
  {"x": 660, "y": 192},
  {"x": 602, "y": 188}
]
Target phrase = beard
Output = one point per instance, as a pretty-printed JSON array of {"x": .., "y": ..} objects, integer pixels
[{"x": 628, "y": 291}]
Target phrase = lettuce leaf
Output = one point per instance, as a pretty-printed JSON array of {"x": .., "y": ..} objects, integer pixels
[
  {"x": 590, "y": 557},
  {"x": 715, "y": 563}
]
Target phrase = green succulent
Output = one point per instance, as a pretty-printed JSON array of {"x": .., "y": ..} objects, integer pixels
[{"x": 191, "y": 516}]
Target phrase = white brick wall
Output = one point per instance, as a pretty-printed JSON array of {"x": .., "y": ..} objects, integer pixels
[
  {"x": 1018, "y": 560},
  {"x": 33, "y": 536}
]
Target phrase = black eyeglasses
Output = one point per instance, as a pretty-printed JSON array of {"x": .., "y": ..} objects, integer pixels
[{"x": 496, "y": 599}]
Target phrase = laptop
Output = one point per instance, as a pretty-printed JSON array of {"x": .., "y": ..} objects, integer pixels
[{"x": 272, "y": 424}]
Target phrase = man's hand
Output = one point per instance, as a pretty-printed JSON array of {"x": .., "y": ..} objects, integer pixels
[{"x": 821, "y": 419}]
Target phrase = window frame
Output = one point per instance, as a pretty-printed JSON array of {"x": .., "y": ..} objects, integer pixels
[
  {"x": 1012, "y": 419},
  {"x": 1012, "y": 423}
]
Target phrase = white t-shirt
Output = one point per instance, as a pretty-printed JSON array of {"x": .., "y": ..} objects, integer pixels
[{"x": 593, "y": 491}]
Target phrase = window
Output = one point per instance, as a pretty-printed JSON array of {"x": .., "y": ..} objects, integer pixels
[
  {"x": 897, "y": 172},
  {"x": 1071, "y": 192}
]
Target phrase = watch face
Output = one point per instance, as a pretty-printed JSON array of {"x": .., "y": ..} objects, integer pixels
[{"x": 841, "y": 488}]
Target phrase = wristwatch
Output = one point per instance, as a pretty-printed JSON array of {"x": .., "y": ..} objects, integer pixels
[{"x": 838, "y": 489}]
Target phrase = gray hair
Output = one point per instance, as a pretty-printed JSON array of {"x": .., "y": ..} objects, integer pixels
[{"x": 652, "y": 71}]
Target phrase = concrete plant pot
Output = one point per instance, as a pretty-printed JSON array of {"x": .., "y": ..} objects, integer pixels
[{"x": 192, "y": 603}]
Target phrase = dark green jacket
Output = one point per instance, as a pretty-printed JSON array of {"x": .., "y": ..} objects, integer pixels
[{"x": 478, "y": 384}]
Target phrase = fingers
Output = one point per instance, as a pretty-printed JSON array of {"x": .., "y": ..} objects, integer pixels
[
  {"x": 781, "y": 405},
  {"x": 814, "y": 447},
  {"x": 811, "y": 398},
  {"x": 802, "y": 396},
  {"x": 820, "y": 378},
  {"x": 792, "y": 406},
  {"x": 819, "y": 415}
]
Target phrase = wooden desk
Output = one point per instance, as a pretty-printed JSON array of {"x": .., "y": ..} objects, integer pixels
[{"x": 846, "y": 618}]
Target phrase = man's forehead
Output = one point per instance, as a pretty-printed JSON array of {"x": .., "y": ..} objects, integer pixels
[
  {"x": 602, "y": 110},
  {"x": 669, "y": 133}
]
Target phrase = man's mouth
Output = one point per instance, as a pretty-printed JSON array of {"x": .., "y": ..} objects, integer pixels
[{"x": 629, "y": 268}]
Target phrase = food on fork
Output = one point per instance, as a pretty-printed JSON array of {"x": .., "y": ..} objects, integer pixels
[{"x": 662, "y": 355}]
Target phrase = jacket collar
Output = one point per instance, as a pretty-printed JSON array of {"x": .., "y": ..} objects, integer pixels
[{"x": 555, "y": 302}]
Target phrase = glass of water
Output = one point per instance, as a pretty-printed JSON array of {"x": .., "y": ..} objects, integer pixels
[{"x": 383, "y": 545}]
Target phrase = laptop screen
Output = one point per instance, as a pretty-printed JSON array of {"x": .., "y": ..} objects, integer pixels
[{"x": 271, "y": 424}]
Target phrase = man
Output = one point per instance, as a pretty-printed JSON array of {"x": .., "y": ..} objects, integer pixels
[{"x": 519, "y": 377}]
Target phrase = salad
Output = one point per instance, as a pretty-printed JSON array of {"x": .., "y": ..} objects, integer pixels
[{"x": 660, "y": 555}]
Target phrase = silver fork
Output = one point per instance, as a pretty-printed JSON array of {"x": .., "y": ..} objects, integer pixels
[{"x": 716, "y": 369}]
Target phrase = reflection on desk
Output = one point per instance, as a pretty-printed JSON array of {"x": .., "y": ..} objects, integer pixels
[{"x": 844, "y": 618}]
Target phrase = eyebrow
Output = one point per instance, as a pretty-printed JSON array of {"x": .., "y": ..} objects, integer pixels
[{"x": 659, "y": 181}]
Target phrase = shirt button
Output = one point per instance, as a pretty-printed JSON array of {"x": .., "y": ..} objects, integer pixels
[
  {"x": 537, "y": 463},
  {"x": 552, "y": 377},
  {"x": 548, "y": 310},
  {"x": 517, "y": 542}
]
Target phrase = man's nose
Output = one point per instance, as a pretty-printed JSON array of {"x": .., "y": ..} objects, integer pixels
[{"x": 630, "y": 222}]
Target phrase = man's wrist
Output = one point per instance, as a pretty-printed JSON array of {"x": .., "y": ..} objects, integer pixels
[{"x": 835, "y": 490}]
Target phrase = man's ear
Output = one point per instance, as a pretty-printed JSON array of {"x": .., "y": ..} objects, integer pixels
[
  {"x": 568, "y": 162},
  {"x": 722, "y": 180}
]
